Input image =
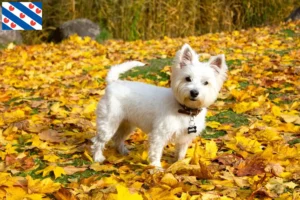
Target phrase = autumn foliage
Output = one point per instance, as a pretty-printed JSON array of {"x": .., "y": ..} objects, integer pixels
[{"x": 249, "y": 150}]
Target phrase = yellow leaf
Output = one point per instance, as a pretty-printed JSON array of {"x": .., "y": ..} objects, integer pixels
[
  {"x": 90, "y": 108},
  {"x": 51, "y": 157},
  {"x": 7, "y": 180},
  {"x": 268, "y": 134},
  {"x": 42, "y": 186},
  {"x": 240, "y": 181},
  {"x": 14, "y": 116},
  {"x": 213, "y": 124},
  {"x": 1, "y": 121},
  {"x": 163, "y": 83},
  {"x": 55, "y": 107},
  {"x": 110, "y": 180},
  {"x": 87, "y": 155},
  {"x": 245, "y": 106},
  {"x": 207, "y": 196},
  {"x": 58, "y": 171},
  {"x": 207, "y": 187},
  {"x": 137, "y": 185},
  {"x": 124, "y": 193},
  {"x": 276, "y": 111},
  {"x": 241, "y": 143},
  {"x": 11, "y": 46},
  {"x": 169, "y": 179},
  {"x": 225, "y": 198},
  {"x": 99, "y": 167},
  {"x": 184, "y": 196},
  {"x": 17, "y": 193},
  {"x": 240, "y": 95},
  {"x": 289, "y": 118},
  {"x": 269, "y": 118},
  {"x": 57, "y": 110},
  {"x": 144, "y": 155},
  {"x": 211, "y": 149},
  {"x": 36, "y": 142},
  {"x": 206, "y": 153}
]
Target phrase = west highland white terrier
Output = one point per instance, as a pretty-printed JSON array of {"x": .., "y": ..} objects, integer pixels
[{"x": 167, "y": 114}]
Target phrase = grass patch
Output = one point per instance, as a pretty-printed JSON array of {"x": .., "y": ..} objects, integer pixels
[
  {"x": 230, "y": 117},
  {"x": 231, "y": 63},
  {"x": 152, "y": 72},
  {"x": 288, "y": 33},
  {"x": 295, "y": 141},
  {"x": 210, "y": 133},
  {"x": 243, "y": 84}
]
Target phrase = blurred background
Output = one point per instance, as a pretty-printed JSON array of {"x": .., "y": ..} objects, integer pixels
[{"x": 154, "y": 19}]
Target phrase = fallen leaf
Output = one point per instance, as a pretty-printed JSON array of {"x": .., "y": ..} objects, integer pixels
[
  {"x": 51, "y": 136},
  {"x": 42, "y": 186},
  {"x": 169, "y": 179}
]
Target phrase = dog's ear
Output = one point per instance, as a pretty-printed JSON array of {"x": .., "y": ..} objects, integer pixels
[
  {"x": 218, "y": 63},
  {"x": 186, "y": 55}
]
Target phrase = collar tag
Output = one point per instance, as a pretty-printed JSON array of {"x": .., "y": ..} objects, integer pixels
[{"x": 192, "y": 127}]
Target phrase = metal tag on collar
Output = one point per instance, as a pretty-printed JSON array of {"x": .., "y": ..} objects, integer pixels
[{"x": 192, "y": 127}]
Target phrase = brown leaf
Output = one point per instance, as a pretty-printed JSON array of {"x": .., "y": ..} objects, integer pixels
[
  {"x": 229, "y": 159},
  {"x": 71, "y": 169},
  {"x": 274, "y": 168},
  {"x": 22, "y": 125},
  {"x": 27, "y": 163},
  {"x": 64, "y": 194},
  {"x": 264, "y": 192},
  {"x": 35, "y": 104},
  {"x": 51, "y": 136},
  {"x": 10, "y": 159},
  {"x": 251, "y": 167},
  {"x": 204, "y": 171}
]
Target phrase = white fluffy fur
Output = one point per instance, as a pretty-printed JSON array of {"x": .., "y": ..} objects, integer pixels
[{"x": 153, "y": 109}]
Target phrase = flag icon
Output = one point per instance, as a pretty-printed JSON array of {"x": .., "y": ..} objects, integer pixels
[{"x": 22, "y": 15}]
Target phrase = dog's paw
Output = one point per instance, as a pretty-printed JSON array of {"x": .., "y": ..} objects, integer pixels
[
  {"x": 98, "y": 157},
  {"x": 123, "y": 150},
  {"x": 156, "y": 164},
  {"x": 156, "y": 170}
]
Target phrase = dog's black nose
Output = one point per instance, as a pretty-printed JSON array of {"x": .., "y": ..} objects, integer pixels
[{"x": 194, "y": 93}]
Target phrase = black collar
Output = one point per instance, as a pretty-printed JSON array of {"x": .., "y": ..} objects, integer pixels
[{"x": 189, "y": 111}]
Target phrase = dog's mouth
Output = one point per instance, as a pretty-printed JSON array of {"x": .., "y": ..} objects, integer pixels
[{"x": 193, "y": 99}]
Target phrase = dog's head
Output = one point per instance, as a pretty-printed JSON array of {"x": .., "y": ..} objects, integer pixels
[{"x": 196, "y": 84}]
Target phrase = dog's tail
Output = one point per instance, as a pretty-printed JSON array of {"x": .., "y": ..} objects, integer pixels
[{"x": 116, "y": 70}]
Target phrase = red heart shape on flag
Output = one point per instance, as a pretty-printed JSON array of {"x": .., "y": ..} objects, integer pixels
[
  {"x": 38, "y": 11},
  {"x": 31, "y": 6},
  {"x": 11, "y": 8},
  {"x": 22, "y": 15},
  {"x": 32, "y": 23},
  {"x": 6, "y": 20},
  {"x": 13, "y": 25}
]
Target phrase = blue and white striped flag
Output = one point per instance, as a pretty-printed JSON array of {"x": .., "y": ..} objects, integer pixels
[{"x": 21, "y": 15}]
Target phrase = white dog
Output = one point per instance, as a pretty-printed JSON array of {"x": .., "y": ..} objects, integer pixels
[{"x": 166, "y": 114}]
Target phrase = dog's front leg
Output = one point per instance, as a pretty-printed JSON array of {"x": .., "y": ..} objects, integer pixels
[
  {"x": 156, "y": 146},
  {"x": 181, "y": 148}
]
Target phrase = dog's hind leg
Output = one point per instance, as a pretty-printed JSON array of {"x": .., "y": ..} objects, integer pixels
[
  {"x": 123, "y": 131},
  {"x": 108, "y": 121}
]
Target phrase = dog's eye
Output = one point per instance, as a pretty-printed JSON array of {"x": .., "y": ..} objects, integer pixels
[
  {"x": 188, "y": 79},
  {"x": 205, "y": 83}
]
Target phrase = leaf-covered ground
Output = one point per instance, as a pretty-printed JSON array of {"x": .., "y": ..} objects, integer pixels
[{"x": 249, "y": 150}]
